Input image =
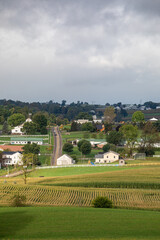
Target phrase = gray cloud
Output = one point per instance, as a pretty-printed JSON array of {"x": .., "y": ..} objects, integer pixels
[{"x": 93, "y": 50}]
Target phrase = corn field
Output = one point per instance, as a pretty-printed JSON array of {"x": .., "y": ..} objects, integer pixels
[{"x": 71, "y": 196}]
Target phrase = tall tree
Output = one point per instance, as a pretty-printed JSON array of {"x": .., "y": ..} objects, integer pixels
[
  {"x": 130, "y": 134},
  {"x": 85, "y": 148},
  {"x": 138, "y": 117},
  {"x": 29, "y": 128},
  {"x": 109, "y": 114},
  {"x": 5, "y": 129},
  {"x": 114, "y": 137},
  {"x": 149, "y": 137},
  {"x": 41, "y": 122},
  {"x": 16, "y": 119}
]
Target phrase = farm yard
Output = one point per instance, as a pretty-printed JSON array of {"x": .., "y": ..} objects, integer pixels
[{"x": 134, "y": 190}]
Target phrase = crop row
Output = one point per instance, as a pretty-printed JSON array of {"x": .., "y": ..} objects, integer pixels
[
  {"x": 69, "y": 196},
  {"x": 130, "y": 185}
]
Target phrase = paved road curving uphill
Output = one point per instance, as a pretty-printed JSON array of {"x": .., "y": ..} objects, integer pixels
[{"x": 57, "y": 150}]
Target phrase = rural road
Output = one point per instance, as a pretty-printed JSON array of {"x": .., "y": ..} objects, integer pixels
[
  {"x": 57, "y": 150},
  {"x": 15, "y": 174}
]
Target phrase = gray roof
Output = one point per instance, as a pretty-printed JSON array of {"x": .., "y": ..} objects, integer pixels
[
  {"x": 9, "y": 153},
  {"x": 99, "y": 156}
]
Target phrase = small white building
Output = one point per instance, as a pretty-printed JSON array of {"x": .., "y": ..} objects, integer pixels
[
  {"x": 12, "y": 158},
  {"x": 107, "y": 157},
  {"x": 153, "y": 119},
  {"x": 122, "y": 162},
  {"x": 82, "y": 121},
  {"x": 18, "y": 129},
  {"x": 65, "y": 160}
]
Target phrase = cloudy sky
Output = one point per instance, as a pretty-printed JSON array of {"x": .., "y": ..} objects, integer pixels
[{"x": 89, "y": 50}]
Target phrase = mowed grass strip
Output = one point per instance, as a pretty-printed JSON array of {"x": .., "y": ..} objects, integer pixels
[
  {"x": 69, "y": 171},
  {"x": 78, "y": 223}
]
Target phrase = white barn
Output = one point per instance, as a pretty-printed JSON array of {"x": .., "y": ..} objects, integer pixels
[
  {"x": 65, "y": 160},
  {"x": 107, "y": 157}
]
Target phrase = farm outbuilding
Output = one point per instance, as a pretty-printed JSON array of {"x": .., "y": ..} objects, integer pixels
[
  {"x": 24, "y": 141},
  {"x": 65, "y": 160}
]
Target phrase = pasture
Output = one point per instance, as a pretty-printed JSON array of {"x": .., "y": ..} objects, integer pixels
[{"x": 78, "y": 223}]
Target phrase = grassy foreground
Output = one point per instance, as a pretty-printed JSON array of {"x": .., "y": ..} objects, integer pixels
[{"x": 78, "y": 223}]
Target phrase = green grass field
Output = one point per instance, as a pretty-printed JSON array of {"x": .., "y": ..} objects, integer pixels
[
  {"x": 73, "y": 171},
  {"x": 78, "y": 223}
]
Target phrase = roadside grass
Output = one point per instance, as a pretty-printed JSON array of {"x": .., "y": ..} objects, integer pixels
[
  {"x": 45, "y": 159},
  {"x": 78, "y": 223},
  {"x": 46, "y": 149}
]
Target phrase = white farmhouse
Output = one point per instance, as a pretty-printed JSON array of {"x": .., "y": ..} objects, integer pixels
[
  {"x": 12, "y": 158},
  {"x": 65, "y": 160},
  {"x": 107, "y": 157},
  {"x": 17, "y": 130}
]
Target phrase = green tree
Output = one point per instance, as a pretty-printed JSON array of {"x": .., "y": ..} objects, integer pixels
[
  {"x": 84, "y": 115},
  {"x": 75, "y": 126},
  {"x": 29, "y": 128},
  {"x": 114, "y": 137},
  {"x": 138, "y": 117},
  {"x": 5, "y": 129},
  {"x": 149, "y": 136},
  {"x": 68, "y": 147},
  {"x": 16, "y": 119},
  {"x": 109, "y": 114},
  {"x": 31, "y": 148},
  {"x": 80, "y": 144},
  {"x": 88, "y": 127},
  {"x": 85, "y": 148},
  {"x": 41, "y": 122},
  {"x": 130, "y": 134},
  {"x": 106, "y": 148}
]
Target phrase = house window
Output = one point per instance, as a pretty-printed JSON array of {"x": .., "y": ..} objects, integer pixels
[
  {"x": 114, "y": 156},
  {"x": 105, "y": 161}
]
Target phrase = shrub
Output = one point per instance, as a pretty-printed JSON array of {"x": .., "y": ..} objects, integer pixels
[
  {"x": 18, "y": 201},
  {"x": 68, "y": 147},
  {"x": 102, "y": 202}
]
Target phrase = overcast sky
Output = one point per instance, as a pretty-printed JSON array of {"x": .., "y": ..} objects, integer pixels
[{"x": 89, "y": 50}]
